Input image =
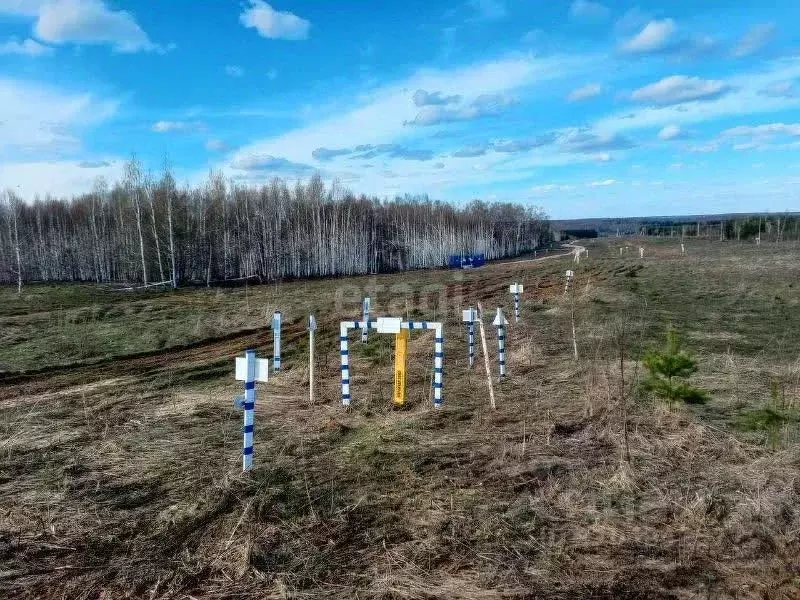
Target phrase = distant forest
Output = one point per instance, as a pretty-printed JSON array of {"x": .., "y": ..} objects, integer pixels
[
  {"x": 147, "y": 231},
  {"x": 774, "y": 227}
]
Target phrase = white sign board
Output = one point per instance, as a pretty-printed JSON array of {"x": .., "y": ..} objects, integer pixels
[
  {"x": 262, "y": 369},
  {"x": 469, "y": 316},
  {"x": 570, "y": 274},
  {"x": 389, "y": 324},
  {"x": 515, "y": 288},
  {"x": 499, "y": 319}
]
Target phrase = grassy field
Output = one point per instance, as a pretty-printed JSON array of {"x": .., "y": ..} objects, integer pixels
[{"x": 121, "y": 470}]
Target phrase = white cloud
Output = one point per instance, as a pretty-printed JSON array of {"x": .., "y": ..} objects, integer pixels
[
  {"x": 483, "y": 106},
  {"x": 59, "y": 178},
  {"x": 590, "y": 90},
  {"x": 234, "y": 70},
  {"x": 587, "y": 9},
  {"x": 176, "y": 126},
  {"x": 588, "y": 142},
  {"x": 88, "y": 22},
  {"x": 672, "y": 132},
  {"x": 216, "y": 145},
  {"x": 603, "y": 183},
  {"x": 765, "y": 130},
  {"x": 274, "y": 24},
  {"x": 26, "y": 47},
  {"x": 39, "y": 120},
  {"x": 754, "y": 40},
  {"x": 744, "y": 98},
  {"x": 423, "y": 98},
  {"x": 378, "y": 118},
  {"x": 266, "y": 164},
  {"x": 551, "y": 187},
  {"x": 381, "y": 116},
  {"x": 705, "y": 148},
  {"x": 678, "y": 89},
  {"x": 653, "y": 38}
]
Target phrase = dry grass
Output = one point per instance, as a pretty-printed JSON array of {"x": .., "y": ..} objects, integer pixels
[{"x": 124, "y": 480}]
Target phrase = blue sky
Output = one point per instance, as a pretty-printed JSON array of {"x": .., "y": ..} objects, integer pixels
[{"x": 582, "y": 107}]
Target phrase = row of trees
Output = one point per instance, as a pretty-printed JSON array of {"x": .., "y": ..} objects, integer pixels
[
  {"x": 144, "y": 230},
  {"x": 773, "y": 228}
]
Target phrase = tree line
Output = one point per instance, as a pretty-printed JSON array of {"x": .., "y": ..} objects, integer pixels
[{"x": 150, "y": 231}]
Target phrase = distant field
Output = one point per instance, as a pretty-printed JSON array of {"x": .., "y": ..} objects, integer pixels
[{"x": 120, "y": 471}]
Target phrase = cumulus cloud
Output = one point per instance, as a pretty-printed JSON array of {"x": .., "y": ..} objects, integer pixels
[
  {"x": 85, "y": 22},
  {"x": 754, "y": 40},
  {"x": 603, "y": 183},
  {"x": 423, "y": 98},
  {"x": 678, "y": 89},
  {"x": 266, "y": 164},
  {"x": 234, "y": 70},
  {"x": 655, "y": 37},
  {"x": 590, "y": 90},
  {"x": 584, "y": 142},
  {"x": 482, "y": 106},
  {"x": 27, "y": 47},
  {"x": 274, "y": 24},
  {"x": 586, "y": 9},
  {"x": 672, "y": 132}
]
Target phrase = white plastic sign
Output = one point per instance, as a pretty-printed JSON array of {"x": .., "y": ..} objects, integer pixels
[
  {"x": 389, "y": 324},
  {"x": 262, "y": 369},
  {"x": 515, "y": 288},
  {"x": 499, "y": 319}
]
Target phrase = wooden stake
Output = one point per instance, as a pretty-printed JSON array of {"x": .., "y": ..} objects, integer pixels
[{"x": 486, "y": 357}]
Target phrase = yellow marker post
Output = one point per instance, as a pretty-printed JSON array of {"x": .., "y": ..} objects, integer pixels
[{"x": 400, "y": 356}]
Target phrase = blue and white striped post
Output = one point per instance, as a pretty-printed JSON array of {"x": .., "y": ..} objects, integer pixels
[
  {"x": 249, "y": 369},
  {"x": 438, "y": 365},
  {"x": 469, "y": 317},
  {"x": 500, "y": 322},
  {"x": 516, "y": 289},
  {"x": 345, "y": 366},
  {"x": 276, "y": 341},
  {"x": 365, "y": 319},
  {"x": 392, "y": 325},
  {"x": 249, "y": 411}
]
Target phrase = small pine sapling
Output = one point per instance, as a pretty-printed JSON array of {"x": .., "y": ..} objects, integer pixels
[{"x": 667, "y": 371}]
